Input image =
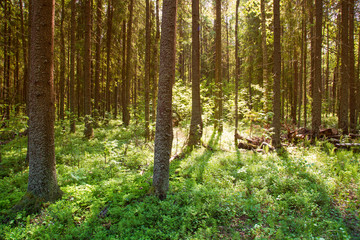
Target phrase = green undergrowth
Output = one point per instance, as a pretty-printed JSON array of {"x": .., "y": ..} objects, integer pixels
[{"x": 215, "y": 193}]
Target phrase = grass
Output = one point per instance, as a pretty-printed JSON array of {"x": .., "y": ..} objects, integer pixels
[{"x": 299, "y": 193}]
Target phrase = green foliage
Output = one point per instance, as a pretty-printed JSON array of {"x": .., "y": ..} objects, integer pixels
[{"x": 300, "y": 193}]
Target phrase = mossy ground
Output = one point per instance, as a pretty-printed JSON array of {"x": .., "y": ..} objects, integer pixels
[{"x": 303, "y": 192}]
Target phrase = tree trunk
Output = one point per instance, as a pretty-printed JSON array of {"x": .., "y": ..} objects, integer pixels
[
  {"x": 277, "y": 74},
  {"x": 62, "y": 62},
  {"x": 352, "y": 68},
  {"x": 344, "y": 86},
  {"x": 97, "y": 58},
  {"x": 196, "y": 125},
  {"x": 147, "y": 71},
  {"x": 164, "y": 134},
  {"x": 237, "y": 69},
  {"x": 126, "y": 86},
  {"x": 264, "y": 53},
  {"x": 218, "y": 81},
  {"x": 316, "y": 104},
  {"x": 42, "y": 183},
  {"x": 155, "y": 62},
  {"x": 88, "y": 130},
  {"x": 72, "y": 68},
  {"x": 108, "y": 56}
]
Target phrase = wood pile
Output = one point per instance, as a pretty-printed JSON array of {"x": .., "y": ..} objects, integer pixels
[{"x": 331, "y": 135}]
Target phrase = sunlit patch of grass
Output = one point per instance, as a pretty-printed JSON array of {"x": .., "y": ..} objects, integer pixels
[{"x": 215, "y": 192}]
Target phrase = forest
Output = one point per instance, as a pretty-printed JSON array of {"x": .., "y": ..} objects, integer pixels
[{"x": 179, "y": 119}]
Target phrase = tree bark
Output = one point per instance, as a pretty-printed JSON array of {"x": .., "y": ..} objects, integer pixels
[
  {"x": 196, "y": 125},
  {"x": 317, "y": 88},
  {"x": 108, "y": 56},
  {"x": 218, "y": 77},
  {"x": 164, "y": 134},
  {"x": 344, "y": 86},
  {"x": 352, "y": 98},
  {"x": 265, "y": 54},
  {"x": 88, "y": 130},
  {"x": 147, "y": 71},
  {"x": 72, "y": 68},
  {"x": 277, "y": 75},
  {"x": 237, "y": 69},
  {"x": 97, "y": 58},
  {"x": 62, "y": 62},
  {"x": 42, "y": 183},
  {"x": 126, "y": 88}
]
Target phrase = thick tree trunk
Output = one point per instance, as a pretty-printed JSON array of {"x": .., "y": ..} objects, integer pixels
[
  {"x": 88, "y": 130},
  {"x": 317, "y": 88},
  {"x": 277, "y": 74},
  {"x": 42, "y": 182},
  {"x": 196, "y": 125},
  {"x": 164, "y": 134}
]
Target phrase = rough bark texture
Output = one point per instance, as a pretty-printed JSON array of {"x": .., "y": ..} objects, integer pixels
[
  {"x": 72, "y": 68},
  {"x": 316, "y": 104},
  {"x": 88, "y": 130},
  {"x": 147, "y": 71},
  {"x": 196, "y": 125},
  {"x": 42, "y": 173},
  {"x": 277, "y": 76},
  {"x": 344, "y": 86},
  {"x": 218, "y": 78},
  {"x": 164, "y": 134}
]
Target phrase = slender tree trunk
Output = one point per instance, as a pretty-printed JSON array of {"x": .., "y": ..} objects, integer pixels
[
  {"x": 123, "y": 72},
  {"x": 108, "y": 56},
  {"x": 237, "y": 69},
  {"x": 316, "y": 104},
  {"x": 156, "y": 63},
  {"x": 97, "y": 58},
  {"x": 24, "y": 50},
  {"x": 42, "y": 183},
  {"x": 277, "y": 75},
  {"x": 147, "y": 71},
  {"x": 196, "y": 125},
  {"x": 218, "y": 80},
  {"x": 265, "y": 54},
  {"x": 352, "y": 98},
  {"x": 295, "y": 87},
  {"x": 126, "y": 86},
  {"x": 72, "y": 68},
  {"x": 344, "y": 87},
  {"x": 164, "y": 133},
  {"x": 62, "y": 62},
  {"x": 88, "y": 131}
]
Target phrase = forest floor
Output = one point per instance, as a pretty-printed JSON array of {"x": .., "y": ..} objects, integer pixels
[{"x": 302, "y": 192}]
